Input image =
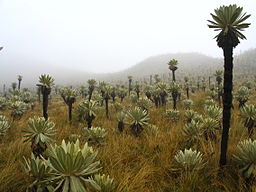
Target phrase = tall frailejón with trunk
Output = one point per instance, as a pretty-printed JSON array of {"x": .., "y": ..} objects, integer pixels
[
  {"x": 173, "y": 67},
  {"x": 45, "y": 84},
  {"x": 229, "y": 21}
]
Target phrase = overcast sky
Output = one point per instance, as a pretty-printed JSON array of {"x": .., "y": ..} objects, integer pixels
[{"x": 109, "y": 35}]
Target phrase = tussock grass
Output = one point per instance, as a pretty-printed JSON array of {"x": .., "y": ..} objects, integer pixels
[{"x": 142, "y": 164}]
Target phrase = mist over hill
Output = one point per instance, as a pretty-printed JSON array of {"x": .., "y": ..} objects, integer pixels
[
  {"x": 246, "y": 61},
  {"x": 31, "y": 70},
  {"x": 190, "y": 64}
]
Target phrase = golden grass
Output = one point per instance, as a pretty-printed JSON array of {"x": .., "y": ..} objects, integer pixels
[{"x": 142, "y": 164}]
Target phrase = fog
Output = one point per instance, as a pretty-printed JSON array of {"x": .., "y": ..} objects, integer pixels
[{"x": 101, "y": 36}]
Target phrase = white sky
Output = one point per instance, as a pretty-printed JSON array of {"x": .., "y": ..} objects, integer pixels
[{"x": 110, "y": 35}]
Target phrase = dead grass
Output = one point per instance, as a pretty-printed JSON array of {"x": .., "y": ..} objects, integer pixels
[{"x": 140, "y": 164}]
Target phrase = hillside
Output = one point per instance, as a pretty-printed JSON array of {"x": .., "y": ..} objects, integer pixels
[{"x": 191, "y": 64}]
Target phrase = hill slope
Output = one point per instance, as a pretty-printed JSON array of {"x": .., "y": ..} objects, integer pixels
[{"x": 190, "y": 64}]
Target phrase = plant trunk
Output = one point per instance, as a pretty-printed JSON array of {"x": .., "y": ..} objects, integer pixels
[
  {"x": 157, "y": 101},
  {"x": 120, "y": 126},
  {"x": 163, "y": 100},
  {"x": 106, "y": 102},
  {"x": 45, "y": 105},
  {"x": 19, "y": 85},
  {"x": 89, "y": 124},
  {"x": 90, "y": 96},
  {"x": 174, "y": 98},
  {"x": 130, "y": 82},
  {"x": 70, "y": 111},
  {"x": 148, "y": 95},
  {"x": 136, "y": 130},
  {"x": 173, "y": 76},
  {"x": 102, "y": 101},
  {"x": 174, "y": 104},
  {"x": 113, "y": 99},
  {"x": 227, "y": 102},
  {"x": 187, "y": 89},
  {"x": 38, "y": 149},
  {"x": 89, "y": 121},
  {"x": 138, "y": 94}
]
